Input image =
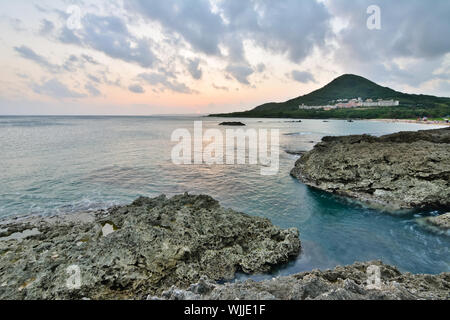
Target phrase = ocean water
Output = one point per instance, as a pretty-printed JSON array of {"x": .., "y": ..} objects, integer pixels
[{"x": 55, "y": 165}]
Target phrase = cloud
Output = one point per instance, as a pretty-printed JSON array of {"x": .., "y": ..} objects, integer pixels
[
  {"x": 172, "y": 39},
  {"x": 411, "y": 30},
  {"x": 261, "y": 67},
  {"x": 110, "y": 35},
  {"x": 22, "y": 75},
  {"x": 302, "y": 76},
  {"x": 194, "y": 69},
  {"x": 106, "y": 79},
  {"x": 290, "y": 27},
  {"x": 220, "y": 87},
  {"x": 161, "y": 79},
  {"x": 78, "y": 62},
  {"x": 40, "y": 8},
  {"x": 195, "y": 22},
  {"x": 94, "y": 78},
  {"x": 89, "y": 59},
  {"x": 240, "y": 73},
  {"x": 17, "y": 24},
  {"x": 46, "y": 27},
  {"x": 71, "y": 64},
  {"x": 28, "y": 53},
  {"x": 56, "y": 89},
  {"x": 68, "y": 36},
  {"x": 136, "y": 88},
  {"x": 93, "y": 91}
]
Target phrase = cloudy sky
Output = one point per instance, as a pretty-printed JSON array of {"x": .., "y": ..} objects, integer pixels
[{"x": 206, "y": 56}]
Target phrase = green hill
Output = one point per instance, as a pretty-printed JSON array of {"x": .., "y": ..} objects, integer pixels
[{"x": 348, "y": 87}]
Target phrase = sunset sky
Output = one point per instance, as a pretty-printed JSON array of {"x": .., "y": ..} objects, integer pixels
[{"x": 205, "y": 56}]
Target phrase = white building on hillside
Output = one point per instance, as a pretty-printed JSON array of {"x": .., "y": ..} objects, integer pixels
[{"x": 353, "y": 103}]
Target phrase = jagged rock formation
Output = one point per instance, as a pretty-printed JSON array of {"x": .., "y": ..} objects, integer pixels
[
  {"x": 399, "y": 171},
  {"x": 128, "y": 252}
]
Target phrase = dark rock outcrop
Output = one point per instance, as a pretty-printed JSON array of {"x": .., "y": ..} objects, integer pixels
[
  {"x": 353, "y": 282},
  {"x": 405, "y": 170},
  {"x": 233, "y": 124},
  {"x": 295, "y": 153},
  {"x": 128, "y": 252}
]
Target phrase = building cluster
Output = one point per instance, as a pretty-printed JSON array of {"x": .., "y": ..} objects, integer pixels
[{"x": 353, "y": 103}]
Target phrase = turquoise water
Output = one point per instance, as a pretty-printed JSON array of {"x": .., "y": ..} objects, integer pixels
[{"x": 65, "y": 164}]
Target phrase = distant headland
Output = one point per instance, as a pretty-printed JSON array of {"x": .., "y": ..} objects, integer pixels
[{"x": 353, "y": 97}]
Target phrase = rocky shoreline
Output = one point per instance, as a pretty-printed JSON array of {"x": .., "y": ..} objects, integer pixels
[
  {"x": 355, "y": 282},
  {"x": 132, "y": 251},
  {"x": 401, "y": 171}
]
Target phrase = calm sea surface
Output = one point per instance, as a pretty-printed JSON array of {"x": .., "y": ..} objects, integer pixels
[{"x": 66, "y": 164}]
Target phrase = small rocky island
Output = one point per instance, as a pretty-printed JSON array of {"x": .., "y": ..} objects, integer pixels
[
  {"x": 405, "y": 170},
  {"x": 132, "y": 251},
  {"x": 232, "y": 124}
]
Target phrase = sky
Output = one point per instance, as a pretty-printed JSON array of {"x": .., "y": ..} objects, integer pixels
[{"x": 144, "y": 57}]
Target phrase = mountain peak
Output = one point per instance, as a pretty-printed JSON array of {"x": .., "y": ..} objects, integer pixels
[
  {"x": 347, "y": 86},
  {"x": 347, "y": 81},
  {"x": 349, "y": 76}
]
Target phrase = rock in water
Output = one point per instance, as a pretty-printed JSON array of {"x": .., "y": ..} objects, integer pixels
[
  {"x": 442, "y": 221},
  {"x": 353, "y": 282},
  {"x": 148, "y": 247},
  {"x": 439, "y": 224},
  {"x": 232, "y": 124},
  {"x": 295, "y": 153},
  {"x": 399, "y": 171}
]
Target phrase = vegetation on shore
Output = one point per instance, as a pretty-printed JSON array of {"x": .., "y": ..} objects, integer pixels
[
  {"x": 411, "y": 106},
  {"x": 400, "y": 112}
]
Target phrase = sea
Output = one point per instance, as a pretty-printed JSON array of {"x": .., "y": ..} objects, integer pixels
[{"x": 65, "y": 164}]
